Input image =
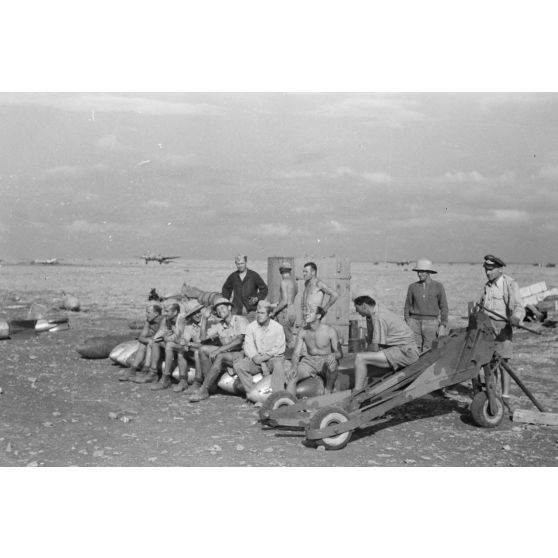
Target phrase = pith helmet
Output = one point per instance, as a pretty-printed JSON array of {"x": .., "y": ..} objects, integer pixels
[
  {"x": 220, "y": 301},
  {"x": 424, "y": 265},
  {"x": 191, "y": 307}
]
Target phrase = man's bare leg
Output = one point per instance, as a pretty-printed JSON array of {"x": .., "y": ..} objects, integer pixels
[{"x": 362, "y": 360}]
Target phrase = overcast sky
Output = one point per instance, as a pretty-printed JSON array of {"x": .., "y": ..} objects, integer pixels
[{"x": 369, "y": 176}]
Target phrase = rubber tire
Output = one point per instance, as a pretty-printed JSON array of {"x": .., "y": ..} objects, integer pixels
[
  {"x": 275, "y": 401},
  {"x": 326, "y": 417},
  {"x": 480, "y": 409}
]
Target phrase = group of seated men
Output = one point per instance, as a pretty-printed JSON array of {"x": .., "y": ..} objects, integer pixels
[{"x": 248, "y": 336}]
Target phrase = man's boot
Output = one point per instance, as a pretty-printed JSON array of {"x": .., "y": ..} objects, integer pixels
[
  {"x": 146, "y": 377},
  {"x": 165, "y": 383}
]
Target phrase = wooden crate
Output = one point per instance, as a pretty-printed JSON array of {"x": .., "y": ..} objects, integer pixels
[{"x": 334, "y": 271}]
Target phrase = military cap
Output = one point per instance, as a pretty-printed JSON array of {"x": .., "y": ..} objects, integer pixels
[{"x": 491, "y": 262}]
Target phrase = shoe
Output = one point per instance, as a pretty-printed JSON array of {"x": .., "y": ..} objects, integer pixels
[
  {"x": 199, "y": 395},
  {"x": 181, "y": 386},
  {"x": 145, "y": 378},
  {"x": 127, "y": 375},
  {"x": 165, "y": 383},
  {"x": 193, "y": 388}
]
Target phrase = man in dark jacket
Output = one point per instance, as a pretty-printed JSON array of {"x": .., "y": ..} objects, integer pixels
[{"x": 246, "y": 287}]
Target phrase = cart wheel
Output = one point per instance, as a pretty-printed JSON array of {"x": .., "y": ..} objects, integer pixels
[
  {"x": 275, "y": 401},
  {"x": 480, "y": 409},
  {"x": 329, "y": 416}
]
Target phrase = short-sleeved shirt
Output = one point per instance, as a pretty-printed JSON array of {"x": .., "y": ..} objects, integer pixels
[
  {"x": 226, "y": 331},
  {"x": 387, "y": 329},
  {"x": 192, "y": 332}
]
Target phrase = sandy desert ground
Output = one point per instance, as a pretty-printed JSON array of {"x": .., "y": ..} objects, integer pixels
[{"x": 56, "y": 408}]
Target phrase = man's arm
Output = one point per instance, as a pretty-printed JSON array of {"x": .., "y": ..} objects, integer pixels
[
  {"x": 444, "y": 311},
  {"x": 516, "y": 304},
  {"x": 235, "y": 343},
  {"x": 408, "y": 302},
  {"x": 335, "y": 344},
  {"x": 332, "y": 294},
  {"x": 249, "y": 345},
  {"x": 298, "y": 349},
  {"x": 261, "y": 286},
  {"x": 144, "y": 336},
  {"x": 228, "y": 286},
  {"x": 282, "y": 300}
]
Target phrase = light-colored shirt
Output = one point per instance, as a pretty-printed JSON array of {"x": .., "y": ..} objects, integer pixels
[
  {"x": 267, "y": 340},
  {"x": 388, "y": 329},
  {"x": 503, "y": 296},
  {"x": 226, "y": 331},
  {"x": 191, "y": 333}
]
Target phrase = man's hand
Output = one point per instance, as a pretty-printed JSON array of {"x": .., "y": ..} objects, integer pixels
[
  {"x": 253, "y": 299},
  {"x": 258, "y": 359},
  {"x": 442, "y": 330},
  {"x": 206, "y": 311},
  {"x": 214, "y": 353},
  {"x": 514, "y": 320}
]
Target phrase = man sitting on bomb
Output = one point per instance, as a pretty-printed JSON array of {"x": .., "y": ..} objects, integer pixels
[
  {"x": 230, "y": 331},
  {"x": 323, "y": 352}
]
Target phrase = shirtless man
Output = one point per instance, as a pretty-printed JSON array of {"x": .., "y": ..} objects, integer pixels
[
  {"x": 323, "y": 351},
  {"x": 314, "y": 291},
  {"x": 285, "y": 312}
]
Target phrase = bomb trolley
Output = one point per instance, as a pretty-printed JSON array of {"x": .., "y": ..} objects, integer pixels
[{"x": 465, "y": 354}]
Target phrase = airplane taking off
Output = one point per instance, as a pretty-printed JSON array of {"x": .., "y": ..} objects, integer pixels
[{"x": 158, "y": 258}]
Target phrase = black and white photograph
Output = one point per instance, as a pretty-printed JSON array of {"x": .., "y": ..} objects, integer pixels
[{"x": 256, "y": 256}]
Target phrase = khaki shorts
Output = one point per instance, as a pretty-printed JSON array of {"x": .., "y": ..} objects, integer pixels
[{"x": 401, "y": 356}]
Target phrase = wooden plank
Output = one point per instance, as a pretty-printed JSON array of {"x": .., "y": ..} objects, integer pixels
[{"x": 535, "y": 417}]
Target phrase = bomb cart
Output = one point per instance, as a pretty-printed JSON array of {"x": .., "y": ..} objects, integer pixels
[{"x": 465, "y": 354}]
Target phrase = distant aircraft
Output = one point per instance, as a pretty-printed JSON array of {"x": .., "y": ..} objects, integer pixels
[
  {"x": 158, "y": 258},
  {"x": 51, "y": 261}
]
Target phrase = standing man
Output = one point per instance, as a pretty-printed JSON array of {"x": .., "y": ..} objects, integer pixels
[
  {"x": 501, "y": 295},
  {"x": 264, "y": 350},
  {"x": 285, "y": 312},
  {"x": 230, "y": 329},
  {"x": 391, "y": 342},
  {"x": 323, "y": 352},
  {"x": 426, "y": 307},
  {"x": 245, "y": 286},
  {"x": 314, "y": 291}
]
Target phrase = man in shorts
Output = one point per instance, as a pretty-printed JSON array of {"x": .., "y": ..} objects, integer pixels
[
  {"x": 323, "y": 352},
  {"x": 391, "y": 342},
  {"x": 285, "y": 311}
]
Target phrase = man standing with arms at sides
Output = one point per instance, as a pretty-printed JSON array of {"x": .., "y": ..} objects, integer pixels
[
  {"x": 285, "y": 312},
  {"x": 314, "y": 291},
  {"x": 501, "y": 295},
  {"x": 231, "y": 330},
  {"x": 323, "y": 352},
  {"x": 391, "y": 343},
  {"x": 246, "y": 287},
  {"x": 264, "y": 350},
  {"x": 426, "y": 307}
]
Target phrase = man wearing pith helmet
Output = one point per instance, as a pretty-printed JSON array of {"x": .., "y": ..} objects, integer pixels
[
  {"x": 501, "y": 295},
  {"x": 426, "y": 306}
]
